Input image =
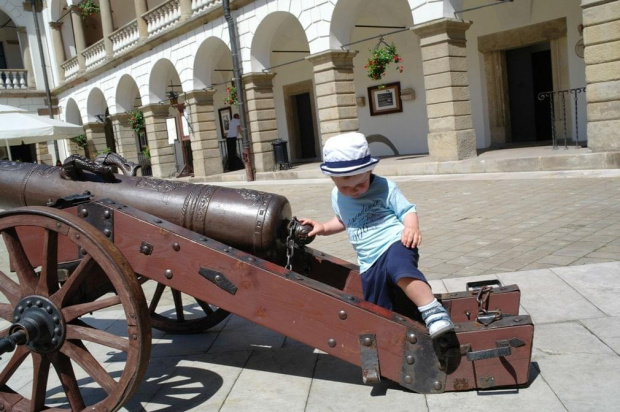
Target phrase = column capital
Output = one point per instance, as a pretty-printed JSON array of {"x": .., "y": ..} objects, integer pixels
[
  {"x": 441, "y": 30},
  {"x": 94, "y": 127},
  {"x": 56, "y": 25},
  {"x": 200, "y": 96},
  {"x": 155, "y": 109},
  {"x": 258, "y": 80},
  {"x": 332, "y": 59},
  {"x": 21, "y": 29},
  {"x": 121, "y": 117}
]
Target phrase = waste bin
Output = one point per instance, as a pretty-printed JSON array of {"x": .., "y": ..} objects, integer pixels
[{"x": 280, "y": 154}]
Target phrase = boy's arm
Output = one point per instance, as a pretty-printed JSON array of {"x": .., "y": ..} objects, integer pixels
[
  {"x": 331, "y": 227},
  {"x": 411, "y": 236}
]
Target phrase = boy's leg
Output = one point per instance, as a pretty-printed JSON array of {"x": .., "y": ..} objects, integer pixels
[{"x": 433, "y": 313}]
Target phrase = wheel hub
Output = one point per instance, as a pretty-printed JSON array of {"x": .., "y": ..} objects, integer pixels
[{"x": 41, "y": 321}]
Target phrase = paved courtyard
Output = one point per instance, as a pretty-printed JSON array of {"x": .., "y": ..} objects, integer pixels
[{"x": 556, "y": 235}]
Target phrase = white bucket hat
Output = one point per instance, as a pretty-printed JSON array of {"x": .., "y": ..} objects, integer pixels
[{"x": 347, "y": 155}]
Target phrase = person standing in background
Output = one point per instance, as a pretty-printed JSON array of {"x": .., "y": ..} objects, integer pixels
[{"x": 234, "y": 130}]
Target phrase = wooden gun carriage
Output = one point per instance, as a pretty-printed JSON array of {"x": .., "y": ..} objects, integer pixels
[{"x": 83, "y": 245}]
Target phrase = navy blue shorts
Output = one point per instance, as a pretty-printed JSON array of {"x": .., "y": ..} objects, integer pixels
[{"x": 379, "y": 283}]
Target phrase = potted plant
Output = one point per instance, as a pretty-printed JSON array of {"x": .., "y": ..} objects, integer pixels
[
  {"x": 231, "y": 98},
  {"x": 88, "y": 8},
  {"x": 380, "y": 58}
]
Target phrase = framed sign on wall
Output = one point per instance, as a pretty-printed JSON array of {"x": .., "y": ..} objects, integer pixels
[{"x": 384, "y": 99}]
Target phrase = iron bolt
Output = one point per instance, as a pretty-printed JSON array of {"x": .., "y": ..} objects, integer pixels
[
  {"x": 48, "y": 309},
  {"x": 158, "y": 221},
  {"x": 410, "y": 359},
  {"x": 29, "y": 303},
  {"x": 54, "y": 341},
  {"x": 331, "y": 342},
  {"x": 56, "y": 319},
  {"x": 367, "y": 342},
  {"x": 516, "y": 320},
  {"x": 176, "y": 247},
  {"x": 107, "y": 232},
  {"x": 411, "y": 337},
  {"x": 20, "y": 309},
  {"x": 57, "y": 224},
  {"x": 408, "y": 379},
  {"x": 218, "y": 278},
  {"x": 84, "y": 213},
  {"x": 16, "y": 318},
  {"x": 168, "y": 274},
  {"x": 107, "y": 214},
  {"x": 437, "y": 385},
  {"x": 77, "y": 235},
  {"x": 342, "y": 315},
  {"x": 57, "y": 330},
  {"x": 39, "y": 303}
]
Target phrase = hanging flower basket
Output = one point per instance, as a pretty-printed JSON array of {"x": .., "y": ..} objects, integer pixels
[
  {"x": 231, "y": 96},
  {"x": 380, "y": 58},
  {"x": 136, "y": 120},
  {"x": 88, "y": 8}
]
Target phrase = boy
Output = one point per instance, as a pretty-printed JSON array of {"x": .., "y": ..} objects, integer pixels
[{"x": 382, "y": 227}]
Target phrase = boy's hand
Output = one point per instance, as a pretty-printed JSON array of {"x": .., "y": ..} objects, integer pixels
[
  {"x": 317, "y": 228},
  {"x": 411, "y": 237}
]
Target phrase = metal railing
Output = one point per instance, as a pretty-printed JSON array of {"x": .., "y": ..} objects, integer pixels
[
  {"x": 145, "y": 163},
  {"x": 558, "y": 104}
]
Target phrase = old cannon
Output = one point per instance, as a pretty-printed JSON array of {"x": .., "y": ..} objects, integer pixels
[{"x": 92, "y": 244}]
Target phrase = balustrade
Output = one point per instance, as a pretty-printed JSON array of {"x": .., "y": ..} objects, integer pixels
[
  {"x": 203, "y": 6},
  {"x": 71, "y": 68},
  {"x": 94, "y": 55},
  {"x": 13, "y": 79},
  {"x": 125, "y": 37},
  {"x": 162, "y": 17}
]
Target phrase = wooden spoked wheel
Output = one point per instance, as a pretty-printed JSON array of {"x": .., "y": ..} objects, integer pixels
[
  {"x": 174, "y": 312},
  {"x": 89, "y": 336}
]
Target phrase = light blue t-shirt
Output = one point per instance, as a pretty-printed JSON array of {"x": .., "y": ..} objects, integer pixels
[{"x": 374, "y": 220}]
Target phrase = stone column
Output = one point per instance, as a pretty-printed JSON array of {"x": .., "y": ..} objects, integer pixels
[
  {"x": 141, "y": 7},
  {"x": 107, "y": 25},
  {"x": 78, "y": 33},
  {"x": 59, "y": 49},
  {"x": 263, "y": 128},
  {"x": 601, "y": 36},
  {"x": 43, "y": 154},
  {"x": 335, "y": 92},
  {"x": 448, "y": 103},
  {"x": 186, "y": 9},
  {"x": 205, "y": 145},
  {"x": 26, "y": 57},
  {"x": 95, "y": 133},
  {"x": 126, "y": 142},
  {"x": 162, "y": 153}
]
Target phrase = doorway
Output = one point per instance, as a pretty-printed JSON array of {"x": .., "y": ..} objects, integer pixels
[
  {"x": 529, "y": 73},
  {"x": 301, "y": 121}
]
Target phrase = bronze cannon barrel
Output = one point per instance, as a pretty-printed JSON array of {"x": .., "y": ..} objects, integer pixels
[{"x": 253, "y": 221}]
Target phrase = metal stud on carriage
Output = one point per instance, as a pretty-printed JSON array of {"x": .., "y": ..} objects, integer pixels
[{"x": 84, "y": 241}]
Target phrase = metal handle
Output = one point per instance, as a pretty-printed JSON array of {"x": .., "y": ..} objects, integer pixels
[{"x": 503, "y": 349}]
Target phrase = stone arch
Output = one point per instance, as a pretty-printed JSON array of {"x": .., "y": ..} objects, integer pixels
[
  {"x": 213, "y": 54},
  {"x": 163, "y": 75},
  {"x": 96, "y": 105},
  {"x": 72, "y": 112},
  {"x": 14, "y": 14},
  {"x": 380, "y": 13},
  {"x": 272, "y": 31},
  {"x": 127, "y": 95}
]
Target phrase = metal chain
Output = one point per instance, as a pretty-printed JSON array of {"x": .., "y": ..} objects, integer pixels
[{"x": 290, "y": 244}]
